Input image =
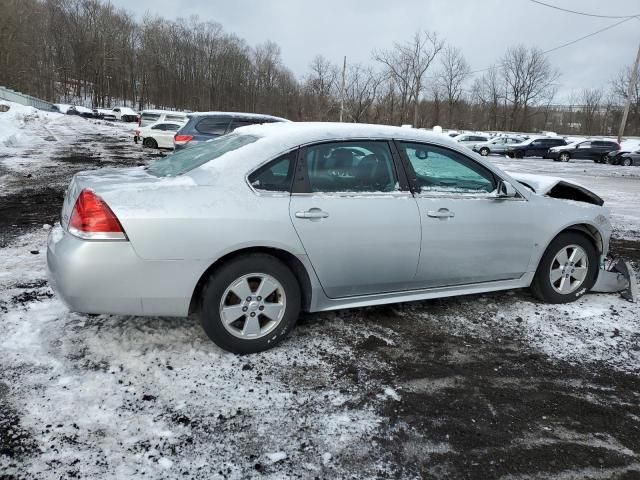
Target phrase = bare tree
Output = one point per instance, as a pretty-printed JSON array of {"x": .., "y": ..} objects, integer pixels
[
  {"x": 321, "y": 84},
  {"x": 591, "y": 99},
  {"x": 489, "y": 91},
  {"x": 361, "y": 87},
  {"x": 529, "y": 80},
  {"x": 619, "y": 87},
  {"x": 407, "y": 63},
  {"x": 454, "y": 72}
]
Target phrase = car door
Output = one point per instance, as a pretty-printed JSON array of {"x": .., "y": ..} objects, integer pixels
[
  {"x": 357, "y": 220},
  {"x": 584, "y": 151},
  {"x": 468, "y": 234}
]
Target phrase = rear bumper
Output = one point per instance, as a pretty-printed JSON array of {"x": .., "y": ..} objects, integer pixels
[{"x": 109, "y": 277}]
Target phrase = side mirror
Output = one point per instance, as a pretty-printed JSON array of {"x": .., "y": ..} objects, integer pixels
[{"x": 506, "y": 190}]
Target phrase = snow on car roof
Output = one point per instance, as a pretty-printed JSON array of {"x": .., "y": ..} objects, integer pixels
[
  {"x": 168, "y": 112},
  {"x": 240, "y": 114},
  {"x": 297, "y": 133}
]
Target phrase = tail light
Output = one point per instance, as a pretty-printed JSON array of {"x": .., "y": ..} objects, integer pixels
[
  {"x": 182, "y": 139},
  {"x": 92, "y": 219}
]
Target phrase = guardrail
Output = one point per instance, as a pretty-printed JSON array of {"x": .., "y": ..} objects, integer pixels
[{"x": 23, "y": 99}]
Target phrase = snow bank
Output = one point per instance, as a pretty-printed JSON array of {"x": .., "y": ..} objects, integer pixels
[{"x": 19, "y": 116}]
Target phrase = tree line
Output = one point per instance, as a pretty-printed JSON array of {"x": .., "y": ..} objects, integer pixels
[{"x": 89, "y": 52}]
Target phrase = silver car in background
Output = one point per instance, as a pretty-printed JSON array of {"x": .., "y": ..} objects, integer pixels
[
  {"x": 497, "y": 145},
  {"x": 255, "y": 226}
]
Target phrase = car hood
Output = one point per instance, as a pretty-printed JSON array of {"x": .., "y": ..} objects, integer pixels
[{"x": 556, "y": 187}]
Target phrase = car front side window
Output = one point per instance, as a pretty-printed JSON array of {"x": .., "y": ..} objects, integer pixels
[
  {"x": 355, "y": 166},
  {"x": 439, "y": 170}
]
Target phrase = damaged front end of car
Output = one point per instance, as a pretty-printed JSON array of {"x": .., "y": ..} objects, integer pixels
[
  {"x": 614, "y": 274},
  {"x": 617, "y": 275}
]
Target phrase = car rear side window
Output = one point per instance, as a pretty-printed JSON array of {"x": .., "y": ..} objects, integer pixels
[
  {"x": 276, "y": 176},
  {"x": 148, "y": 119},
  {"x": 354, "y": 166},
  {"x": 213, "y": 125},
  {"x": 186, "y": 160},
  {"x": 440, "y": 170}
]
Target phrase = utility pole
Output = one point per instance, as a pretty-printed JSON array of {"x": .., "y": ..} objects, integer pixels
[
  {"x": 632, "y": 83},
  {"x": 344, "y": 69}
]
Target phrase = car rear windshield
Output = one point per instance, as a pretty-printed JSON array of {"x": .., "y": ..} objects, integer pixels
[{"x": 186, "y": 160}]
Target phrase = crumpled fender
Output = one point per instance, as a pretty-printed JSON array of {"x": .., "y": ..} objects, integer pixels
[
  {"x": 617, "y": 277},
  {"x": 556, "y": 187}
]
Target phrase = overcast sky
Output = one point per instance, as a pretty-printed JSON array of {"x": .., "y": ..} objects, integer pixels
[{"x": 482, "y": 29}]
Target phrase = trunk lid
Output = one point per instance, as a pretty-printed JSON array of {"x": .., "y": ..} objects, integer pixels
[{"x": 103, "y": 182}]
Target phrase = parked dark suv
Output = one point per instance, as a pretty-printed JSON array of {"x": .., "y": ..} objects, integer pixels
[
  {"x": 595, "y": 150},
  {"x": 534, "y": 147},
  {"x": 203, "y": 126}
]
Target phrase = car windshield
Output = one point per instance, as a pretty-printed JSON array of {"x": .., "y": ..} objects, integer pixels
[{"x": 186, "y": 160}]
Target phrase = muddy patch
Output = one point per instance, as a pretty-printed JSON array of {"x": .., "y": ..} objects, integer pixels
[
  {"x": 30, "y": 208},
  {"x": 459, "y": 406}
]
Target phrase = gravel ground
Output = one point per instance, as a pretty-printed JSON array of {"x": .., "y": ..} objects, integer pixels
[{"x": 484, "y": 386}]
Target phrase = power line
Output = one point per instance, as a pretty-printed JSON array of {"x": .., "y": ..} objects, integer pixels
[
  {"x": 583, "y": 13},
  {"x": 587, "y": 36},
  {"x": 626, "y": 19}
]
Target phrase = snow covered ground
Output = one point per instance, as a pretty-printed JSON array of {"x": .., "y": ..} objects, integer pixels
[{"x": 484, "y": 386}]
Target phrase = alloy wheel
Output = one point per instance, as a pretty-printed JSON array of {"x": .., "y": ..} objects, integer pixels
[
  {"x": 253, "y": 306},
  {"x": 569, "y": 269}
]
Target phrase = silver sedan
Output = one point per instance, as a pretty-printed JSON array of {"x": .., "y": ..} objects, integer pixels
[{"x": 252, "y": 228}]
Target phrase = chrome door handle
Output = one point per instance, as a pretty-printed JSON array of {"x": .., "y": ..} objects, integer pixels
[
  {"x": 440, "y": 213},
  {"x": 312, "y": 214}
]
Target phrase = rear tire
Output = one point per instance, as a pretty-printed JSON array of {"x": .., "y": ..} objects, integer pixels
[
  {"x": 567, "y": 270},
  {"x": 150, "y": 143},
  {"x": 250, "y": 324}
]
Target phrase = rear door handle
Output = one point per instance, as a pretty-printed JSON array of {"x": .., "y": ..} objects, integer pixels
[
  {"x": 440, "y": 213},
  {"x": 312, "y": 214}
]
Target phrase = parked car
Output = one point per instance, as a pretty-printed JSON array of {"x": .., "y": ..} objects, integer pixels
[
  {"x": 252, "y": 227},
  {"x": 624, "y": 158},
  {"x": 158, "y": 135},
  {"x": 125, "y": 114},
  {"x": 595, "y": 150},
  {"x": 203, "y": 126},
  {"x": 534, "y": 147},
  {"x": 104, "y": 114},
  {"x": 151, "y": 117},
  {"x": 496, "y": 145},
  {"x": 470, "y": 139}
]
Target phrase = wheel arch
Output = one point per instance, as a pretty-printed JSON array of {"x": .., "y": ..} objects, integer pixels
[
  {"x": 588, "y": 230},
  {"x": 289, "y": 259}
]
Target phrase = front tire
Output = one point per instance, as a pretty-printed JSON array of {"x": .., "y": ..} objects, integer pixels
[
  {"x": 484, "y": 151},
  {"x": 567, "y": 270},
  {"x": 564, "y": 157},
  {"x": 250, "y": 304},
  {"x": 626, "y": 162}
]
